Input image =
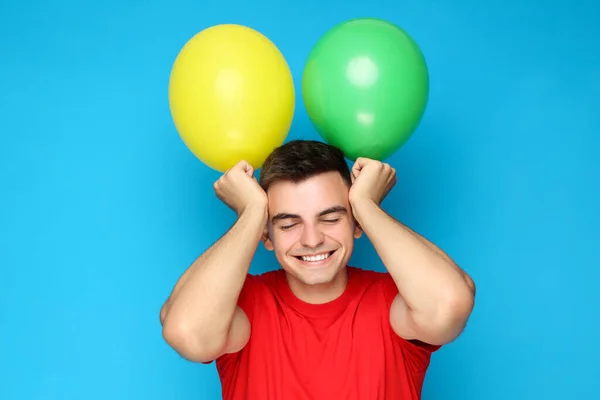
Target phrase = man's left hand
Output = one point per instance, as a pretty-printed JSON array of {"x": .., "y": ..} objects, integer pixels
[{"x": 372, "y": 180}]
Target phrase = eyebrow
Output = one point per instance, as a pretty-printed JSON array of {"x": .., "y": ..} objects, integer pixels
[{"x": 330, "y": 210}]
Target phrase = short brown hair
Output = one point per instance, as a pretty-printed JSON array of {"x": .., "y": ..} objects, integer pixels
[{"x": 298, "y": 160}]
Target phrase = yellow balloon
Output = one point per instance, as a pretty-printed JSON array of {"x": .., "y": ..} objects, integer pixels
[{"x": 231, "y": 96}]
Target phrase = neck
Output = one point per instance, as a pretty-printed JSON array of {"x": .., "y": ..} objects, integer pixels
[{"x": 320, "y": 293}]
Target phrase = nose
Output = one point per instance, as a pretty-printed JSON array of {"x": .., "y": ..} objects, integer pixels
[{"x": 311, "y": 236}]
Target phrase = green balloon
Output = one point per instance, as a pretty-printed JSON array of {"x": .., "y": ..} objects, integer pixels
[{"x": 365, "y": 87}]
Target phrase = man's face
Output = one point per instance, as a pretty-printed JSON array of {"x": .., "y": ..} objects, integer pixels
[{"x": 311, "y": 228}]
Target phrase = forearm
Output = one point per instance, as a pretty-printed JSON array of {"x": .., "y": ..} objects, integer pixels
[
  {"x": 202, "y": 304},
  {"x": 428, "y": 281}
]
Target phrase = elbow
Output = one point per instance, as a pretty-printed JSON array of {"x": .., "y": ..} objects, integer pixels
[
  {"x": 470, "y": 285},
  {"x": 163, "y": 313},
  {"x": 447, "y": 316},
  {"x": 450, "y": 318},
  {"x": 461, "y": 306},
  {"x": 188, "y": 343},
  {"x": 459, "y": 303},
  {"x": 454, "y": 314}
]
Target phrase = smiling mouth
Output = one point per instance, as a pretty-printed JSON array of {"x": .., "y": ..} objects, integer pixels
[{"x": 316, "y": 257}]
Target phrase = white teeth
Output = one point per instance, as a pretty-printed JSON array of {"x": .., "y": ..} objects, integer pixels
[{"x": 318, "y": 257}]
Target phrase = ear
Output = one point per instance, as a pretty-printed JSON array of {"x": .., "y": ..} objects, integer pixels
[
  {"x": 266, "y": 239},
  {"x": 357, "y": 230}
]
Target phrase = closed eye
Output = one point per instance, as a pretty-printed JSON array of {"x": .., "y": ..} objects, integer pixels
[
  {"x": 331, "y": 220},
  {"x": 286, "y": 227}
]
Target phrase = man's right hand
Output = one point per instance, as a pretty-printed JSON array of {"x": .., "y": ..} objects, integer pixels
[{"x": 238, "y": 188}]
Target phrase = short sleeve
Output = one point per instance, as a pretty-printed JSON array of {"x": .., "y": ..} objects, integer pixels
[
  {"x": 246, "y": 299},
  {"x": 416, "y": 347},
  {"x": 390, "y": 290}
]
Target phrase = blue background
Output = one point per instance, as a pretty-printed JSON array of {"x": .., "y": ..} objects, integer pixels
[{"x": 102, "y": 207}]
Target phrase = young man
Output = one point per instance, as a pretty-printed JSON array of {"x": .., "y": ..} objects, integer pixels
[{"x": 316, "y": 328}]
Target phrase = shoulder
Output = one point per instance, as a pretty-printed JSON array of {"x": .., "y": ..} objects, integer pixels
[
  {"x": 264, "y": 280},
  {"x": 381, "y": 288},
  {"x": 375, "y": 288},
  {"x": 256, "y": 289},
  {"x": 263, "y": 284},
  {"x": 366, "y": 274},
  {"x": 369, "y": 278}
]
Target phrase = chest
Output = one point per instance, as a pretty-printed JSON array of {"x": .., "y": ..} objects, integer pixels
[
  {"x": 348, "y": 355},
  {"x": 321, "y": 342}
]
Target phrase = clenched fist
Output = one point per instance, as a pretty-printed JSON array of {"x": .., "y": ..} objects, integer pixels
[
  {"x": 239, "y": 189},
  {"x": 371, "y": 181}
]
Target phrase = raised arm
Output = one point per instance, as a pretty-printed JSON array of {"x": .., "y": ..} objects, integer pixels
[
  {"x": 435, "y": 297},
  {"x": 201, "y": 319}
]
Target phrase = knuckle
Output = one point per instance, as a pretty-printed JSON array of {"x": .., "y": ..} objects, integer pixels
[{"x": 241, "y": 164}]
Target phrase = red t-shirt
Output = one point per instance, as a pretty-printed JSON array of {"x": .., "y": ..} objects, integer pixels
[{"x": 344, "y": 349}]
